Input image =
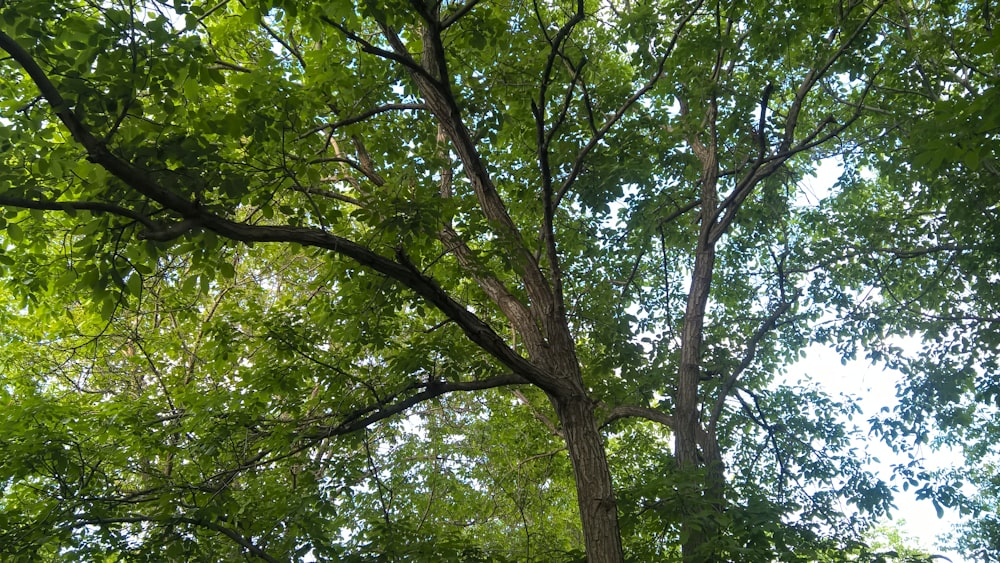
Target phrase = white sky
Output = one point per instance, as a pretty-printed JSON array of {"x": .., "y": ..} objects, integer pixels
[{"x": 875, "y": 387}]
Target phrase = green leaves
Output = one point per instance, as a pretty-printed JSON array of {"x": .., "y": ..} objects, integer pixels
[{"x": 190, "y": 391}]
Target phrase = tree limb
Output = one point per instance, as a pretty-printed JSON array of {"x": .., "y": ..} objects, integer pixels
[
  {"x": 748, "y": 357},
  {"x": 791, "y": 122},
  {"x": 431, "y": 390},
  {"x": 402, "y": 271},
  {"x": 100, "y": 207},
  {"x": 581, "y": 156},
  {"x": 458, "y": 14},
  {"x": 433, "y": 82},
  {"x": 366, "y": 46},
  {"x": 634, "y": 411},
  {"x": 543, "y": 139},
  {"x": 241, "y": 540},
  {"x": 361, "y": 117}
]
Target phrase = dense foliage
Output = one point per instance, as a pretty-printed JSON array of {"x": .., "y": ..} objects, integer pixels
[{"x": 489, "y": 281}]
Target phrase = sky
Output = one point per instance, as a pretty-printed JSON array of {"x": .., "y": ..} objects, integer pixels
[{"x": 875, "y": 388}]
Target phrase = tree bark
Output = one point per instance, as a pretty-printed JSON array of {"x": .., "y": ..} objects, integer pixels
[
  {"x": 594, "y": 492},
  {"x": 688, "y": 433}
]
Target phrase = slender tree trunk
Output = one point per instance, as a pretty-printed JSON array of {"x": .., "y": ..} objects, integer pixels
[
  {"x": 686, "y": 434},
  {"x": 697, "y": 530},
  {"x": 594, "y": 492}
]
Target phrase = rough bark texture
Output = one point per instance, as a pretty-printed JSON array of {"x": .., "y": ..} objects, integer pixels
[
  {"x": 542, "y": 326},
  {"x": 688, "y": 432},
  {"x": 594, "y": 492}
]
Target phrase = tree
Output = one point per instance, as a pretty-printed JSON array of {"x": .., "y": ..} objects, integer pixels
[{"x": 246, "y": 238}]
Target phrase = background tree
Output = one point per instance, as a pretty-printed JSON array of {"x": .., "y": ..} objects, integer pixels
[{"x": 386, "y": 280}]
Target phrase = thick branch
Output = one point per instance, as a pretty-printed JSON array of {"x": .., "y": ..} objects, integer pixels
[
  {"x": 402, "y": 58},
  {"x": 543, "y": 140},
  {"x": 458, "y": 14},
  {"x": 632, "y": 411},
  {"x": 433, "y": 82},
  {"x": 509, "y": 305},
  {"x": 431, "y": 390},
  {"x": 402, "y": 271},
  {"x": 99, "y": 207}
]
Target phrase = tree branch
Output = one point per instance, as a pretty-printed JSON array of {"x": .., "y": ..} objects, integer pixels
[
  {"x": 748, "y": 357},
  {"x": 274, "y": 35},
  {"x": 539, "y": 416},
  {"x": 366, "y": 46},
  {"x": 100, "y": 207},
  {"x": 241, "y": 540},
  {"x": 519, "y": 315},
  {"x": 402, "y": 271},
  {"x": 791, "y": 122},
  {"x": 543, "y": 139},
  {"x": 762, "y": 125},
  {"x": 433, "y": 82},
  {"x": 172, "y": 231},
  {"x": 633, "y": 411},
  {"x": 328, "y": 194},
  {"x": 361, "y": 117},
  {"x": 765, "y": 166},
  {"x": 367, "y": 417},
  {"x": 577, "y": 167},
  {"x": 458, "y": 14}
]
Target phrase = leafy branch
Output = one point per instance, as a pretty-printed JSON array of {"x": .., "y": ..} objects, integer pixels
[{"x": 401, "y": 270}]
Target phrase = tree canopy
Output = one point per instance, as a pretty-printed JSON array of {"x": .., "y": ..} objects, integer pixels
[{"x": 430, "y": 280}]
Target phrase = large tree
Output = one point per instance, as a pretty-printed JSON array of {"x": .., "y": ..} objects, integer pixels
[{"x": 476, "y": 280}]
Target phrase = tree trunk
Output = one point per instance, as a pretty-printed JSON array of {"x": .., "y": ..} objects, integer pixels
[
  {"x": 594, "y": 492},
  {"x": 699, "y": 546},
  {"x": 696, "y": 529}
]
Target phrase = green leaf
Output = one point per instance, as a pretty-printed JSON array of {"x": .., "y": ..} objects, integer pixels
[
  {"x": 66, "y": 279},
  {"x": 14, "y": 233},
  {"x": 227, "y": 270}
]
